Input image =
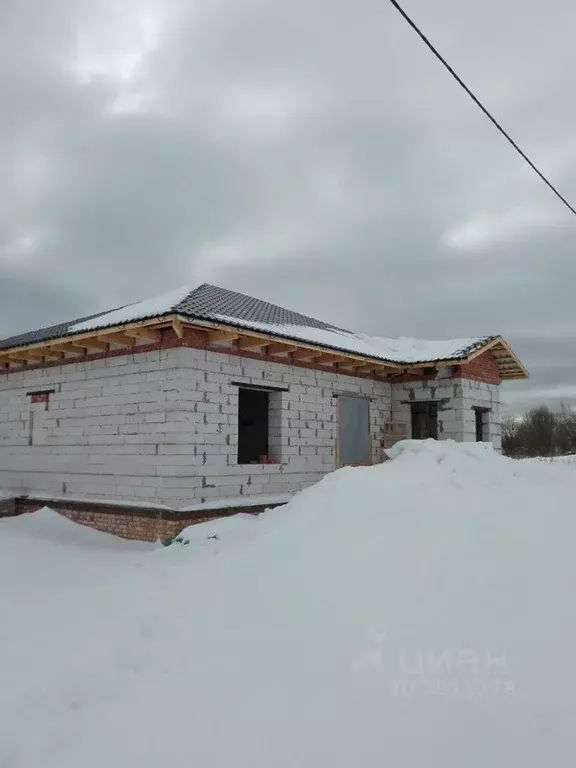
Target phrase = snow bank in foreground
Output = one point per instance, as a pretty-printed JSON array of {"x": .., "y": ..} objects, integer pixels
[
  {"x": 417, "y": 613},
  {"x": 569, "y": 460}
]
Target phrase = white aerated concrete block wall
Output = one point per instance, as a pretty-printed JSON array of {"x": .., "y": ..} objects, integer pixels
[
  {"x": 101, "y": 435},
  {"x": 477, "y": 394},
  {"x": 162, "y": 427},
  {"x": 456, "y": 399},
  {"x": 303, "y": 424}
]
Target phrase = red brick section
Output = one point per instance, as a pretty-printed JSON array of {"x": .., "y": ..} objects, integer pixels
[
  {"x": 482, "y": 368},
  {"x": 39, "y": 397},
  {"x": 8, "y": 507},
  {"x": 128, "y": 523}
]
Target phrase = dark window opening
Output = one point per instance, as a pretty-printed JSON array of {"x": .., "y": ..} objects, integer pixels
[
  {"x": 424, "y": 421},
  {"x": 253, "y": 407},
  {"x": 482, "y": 416}
]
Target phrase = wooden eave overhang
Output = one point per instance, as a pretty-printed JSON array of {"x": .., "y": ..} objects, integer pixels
[
  {"x": 221, "y": 336},
  {"x": 509, "y": 365}
]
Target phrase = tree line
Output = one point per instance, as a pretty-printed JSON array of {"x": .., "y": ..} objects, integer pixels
[{"x": 540, "y": 432}]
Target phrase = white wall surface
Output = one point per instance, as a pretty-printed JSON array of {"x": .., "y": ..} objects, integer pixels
[
  {"x": 457, "y": 398},
  {"x": 162, "y": 427}
]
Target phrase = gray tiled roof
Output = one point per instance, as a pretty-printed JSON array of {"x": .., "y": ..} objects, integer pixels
[
  {"x": 206, "y": 302},
  {"x": 42, "y": 334}
]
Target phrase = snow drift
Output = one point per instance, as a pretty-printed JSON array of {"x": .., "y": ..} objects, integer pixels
[{"x": 415, "y": 613}]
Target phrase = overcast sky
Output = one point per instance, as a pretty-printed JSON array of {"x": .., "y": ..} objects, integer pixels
[{"x": 309, "y": 152}]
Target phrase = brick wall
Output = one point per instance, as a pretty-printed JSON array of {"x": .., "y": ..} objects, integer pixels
[
  {"x": 482, "y": 368},
  {"x": 140, "y": 524}
]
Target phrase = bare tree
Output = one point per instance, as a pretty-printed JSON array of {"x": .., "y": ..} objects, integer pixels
[{"x": 540, "y": 432}]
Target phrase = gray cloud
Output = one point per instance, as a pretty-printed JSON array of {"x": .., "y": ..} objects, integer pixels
[{"x": 313, "y": 154}]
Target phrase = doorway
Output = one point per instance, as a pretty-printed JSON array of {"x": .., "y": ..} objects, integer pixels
[
  {"x": 424, "y": 420},
  {"x": 354, "y": 445}
]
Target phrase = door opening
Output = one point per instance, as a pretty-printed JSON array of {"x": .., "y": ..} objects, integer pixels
[
  {"x": 253, "y": 407},
  {"x": 424, "y": 420},
  {"x": 354, "y": 446}
]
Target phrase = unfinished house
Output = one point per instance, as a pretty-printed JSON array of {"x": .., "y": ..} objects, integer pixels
[{"x": 197, "y": 403}]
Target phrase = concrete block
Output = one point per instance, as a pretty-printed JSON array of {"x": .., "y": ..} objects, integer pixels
[
  {"x": 149, "y": 407},
  {"x": 208, "y": 407},
  {"x": 183, "y": 482},
  {"x": 217, "y": 358},
  {"x": 209, "y": 386},
  {"x": 157, "y": 417}
]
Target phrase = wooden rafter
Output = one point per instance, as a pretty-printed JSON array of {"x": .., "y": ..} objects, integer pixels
[
  {"x": 73, "y": 349},
  {"x": 90, "y": 344},
  {"x": 251, "y": 339},
  {"x": 117, "y": 338},
  {"x": 306, "y": 354},
  {"x": 250, "y": 342},
  {"x": 217, "y": 337},
  {"x": 126, "y": 335},
  {"x": 331, "y": 359},
  {"x": 281, "y": 349},
  {"x": 53, "y": 354},
  {"x": 26, "y": 356},
  {"x": 147, "y": 334}
]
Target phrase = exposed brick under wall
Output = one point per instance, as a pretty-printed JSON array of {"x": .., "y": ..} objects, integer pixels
[
  {"x": 141, "y": 524},
  {"x": 7, "y": 507}
]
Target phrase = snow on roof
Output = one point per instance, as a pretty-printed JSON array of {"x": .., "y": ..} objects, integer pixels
[
  {"x": 409, "y": 350},
  {"x": 401, "y": 350},
  {"x": 214, "y": 304},
  {"x": 158, "y": 305}
]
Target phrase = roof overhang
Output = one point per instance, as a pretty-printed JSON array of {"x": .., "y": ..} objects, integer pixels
[
  {"x": 509, "y": 365},
  {"x": 218, "y": 335}
]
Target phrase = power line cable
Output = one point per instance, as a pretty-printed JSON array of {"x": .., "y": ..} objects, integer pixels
[{"x": 478, "y": 103}]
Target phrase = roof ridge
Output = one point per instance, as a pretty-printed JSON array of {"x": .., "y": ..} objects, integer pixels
[{"x": 255, "y": 299}]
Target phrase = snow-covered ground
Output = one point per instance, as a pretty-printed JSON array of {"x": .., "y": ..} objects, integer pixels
[
  {"x": 569, "y": 460},
  {"x": 417, "y": 613}
]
